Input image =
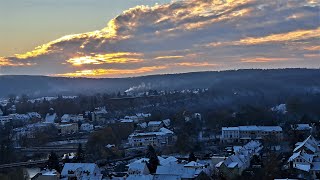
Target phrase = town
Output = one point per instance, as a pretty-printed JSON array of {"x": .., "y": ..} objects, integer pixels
[{"x": 111, "y": 140}]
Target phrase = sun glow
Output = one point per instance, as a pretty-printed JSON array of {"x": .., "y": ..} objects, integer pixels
[{"x": 118, "y": 58}]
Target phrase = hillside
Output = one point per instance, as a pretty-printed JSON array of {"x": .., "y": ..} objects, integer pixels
[{"x": 238, "y": 81}]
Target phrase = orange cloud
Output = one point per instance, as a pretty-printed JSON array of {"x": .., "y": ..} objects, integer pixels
[
  {"x": 262, "y": 60},
  {"x": 168, "y": 57},
  {"x": 312, "y": 48},
  {"x": 111, "y": 72},
  {"x": 7, "y": 62},
  {"x": 195, "y": 64},
  {"x": 311, "y": 55},
  {"x": 119, "y": 57},
  {"x": 273, "y": 38}
]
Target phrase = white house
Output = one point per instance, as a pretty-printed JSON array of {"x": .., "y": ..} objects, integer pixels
[
  {"x": 155, "y": 125},
  {"x": 66, "y": 118},
  {"x": 247, "y": 133},
  {"x": 20, "y": 117},
  {"x": 306, "y": 156},
  {"x": 86, "y": 127},
  {"x": 68, "y": 128},
  {"x": 51, "y": 117},
  {"x": 234, "y": 165},
  {"x": 83, "y": 171},
  {"x": 138, "y": 168},
  {"x": 99, "y": 114},
  {"x": 159, "y": 138}
]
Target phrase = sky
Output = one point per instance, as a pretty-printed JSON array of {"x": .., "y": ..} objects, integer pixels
[{"x": 124, "y": 38}]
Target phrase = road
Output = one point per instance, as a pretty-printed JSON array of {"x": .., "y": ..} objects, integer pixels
[
  {"x": 48, "y": 149},
  {"x": 21, "y": 164}
]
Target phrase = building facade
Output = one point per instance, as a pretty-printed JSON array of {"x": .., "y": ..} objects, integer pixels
[{"x": 247, "y": 133}]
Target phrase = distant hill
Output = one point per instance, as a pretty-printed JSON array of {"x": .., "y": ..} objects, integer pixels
[{"x": 239, "y": 81}]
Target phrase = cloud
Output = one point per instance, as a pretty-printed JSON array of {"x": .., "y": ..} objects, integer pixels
[
  {"x": 119, "y": 57},
  {"x": 189, "y": 35},
  {"x": 111, "y": 72},
  {"x": 169, "y": 57},
  {"x": 263, "y": 60},
  {"x": 195, "y": 64}
]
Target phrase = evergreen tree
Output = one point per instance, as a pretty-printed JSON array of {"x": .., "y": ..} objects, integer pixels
[
  {"x": 153, "y": 159},
  {"x": 80, "y": 154},
  {"x": 192, "y": 157},
  {"x": 53, "y": 161}
]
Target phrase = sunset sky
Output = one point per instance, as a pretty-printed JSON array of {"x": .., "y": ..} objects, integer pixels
[{"x": 123, "y": 38}]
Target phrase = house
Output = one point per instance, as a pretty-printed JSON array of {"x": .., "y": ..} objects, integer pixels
[
  {"x": 66, "y": 118},
  {"x": 47, "y": 175},
  {"x": 247, "y": 133},
  {"x": 51, "y": 116},
  {"x": 195, "y": 116},
  {"x": 86, "y": 127},
  {"x": 20, "y": 117},
  {"x": 306, "y": 157},
  {"x": 38, "y": 174},
  {"x": 1, "y": 113},
  {"x": 83, "y": 171},
  {"x": 179, "y": 170},
  {"x": 167, "y": 122},
  {"x": 155, "y": 125},
  {"x": 301, "y": 160},
  {"x": 159, "y": 138},
  {"x": 65, "y": 129},
  {"x": 100, "y": 114},
  {"x": 235, "y": 164},
  {"x": 30, "y": 130},
  {"x": 303, "y": 130},
  {"x": 34, "y": 116},
  {"x": 309, "y": 145},
  {"x": 138, "y": 168}
]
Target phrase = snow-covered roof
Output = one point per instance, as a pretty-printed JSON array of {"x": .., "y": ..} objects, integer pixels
[
  {"x": 281, "y": 108},
  {"x": 143, "y": 125},
  {"x": 309, "y": 143},
  {"x": 302, "y": 127},
  {"x": 168, "y": 160},
  {"x": 50, "y": 118},
  {"x": 243, "y": 155},
  {"x": 270, "y": 128},
  {"x": 143, "y": 115},
  {"x": 154, "y": 123},
  {"x": 162, "y": 132},
  {"x": 137, "y": 166},
  {"x": 230, "y": 128},
  {"x": 126, "y": 121},
  {"x": 165, "y": 130},
  {"x": 90, "y": 167},
  {"x": 232, "y": 165},
  {"x": 66, "y": 125},
  {"x": 166, "y": 122},
  {"x": 194, "y": 164},
  {"x": 219, "y": 164},
  {"x": 249, "y": 128},
  {"x": 303, "y": 167},
  {"x": 253, "y": 128},
  {"x": 177, "y": 170},
  {"x": 100, "y": 110}
]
